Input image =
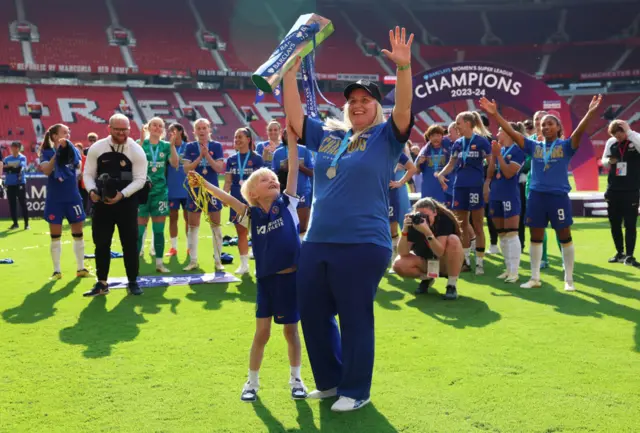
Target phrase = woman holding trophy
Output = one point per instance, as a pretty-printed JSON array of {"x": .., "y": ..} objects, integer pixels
[{"x": 349, "y": 226}]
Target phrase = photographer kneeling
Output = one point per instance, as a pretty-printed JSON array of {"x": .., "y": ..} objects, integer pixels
[{"x": 430, "y": 247}]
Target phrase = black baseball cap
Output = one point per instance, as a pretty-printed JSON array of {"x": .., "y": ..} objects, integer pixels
[{"x": 371, "y": 88}]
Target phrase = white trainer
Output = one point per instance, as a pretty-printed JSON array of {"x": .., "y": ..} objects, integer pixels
[
  {"x": 191, "y": 266},
  {"x": 162, "y": 269},
  {"x": 512, "y": 278},
  {"x": 493, "y": 249},
  {"x": 242, "y": 270},
  {"x": 346, "y": 404},
  {"x": 503, "y": 275},
  {"x": 249, "y": 392},
  {"x": 531, "y": 284},
  {"x": 333, "y": 392},
  {"x": 569, "y": 287},
  {"x": 479, "y": 270},
  {"x": 298, "y": 389}
]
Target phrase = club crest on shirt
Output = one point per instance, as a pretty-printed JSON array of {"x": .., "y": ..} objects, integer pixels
[
  {"x": 473, "y": 147},
  {"x": 250, "y": 163},
  {"x": 161, "y": 154},
  {"x": 211, "y": 152},
  {"x": 275, "y": 210},
  {"x": 508, "y": 156}
]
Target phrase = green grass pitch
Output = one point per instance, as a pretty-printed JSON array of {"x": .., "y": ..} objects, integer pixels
[{"x": 499, "y": 359}]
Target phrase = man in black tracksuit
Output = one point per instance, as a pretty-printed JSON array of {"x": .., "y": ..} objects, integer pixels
[{"x": 622, "y": 153}]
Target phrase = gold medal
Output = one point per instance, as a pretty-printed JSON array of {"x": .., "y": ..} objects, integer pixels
[
  {"x": 241, "y": 181},
  {"x": 546, "y": 167},
  {"x": 154, "y": 169},
  {"x": 498, "y": 176},
  {"x": 331, "y": 172},
  {"x": 205, "y": 171}
]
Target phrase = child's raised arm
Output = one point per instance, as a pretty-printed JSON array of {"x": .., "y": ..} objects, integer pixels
[
  {"x": 292, "y": 148},
  {"x": 195, "y": 181}
]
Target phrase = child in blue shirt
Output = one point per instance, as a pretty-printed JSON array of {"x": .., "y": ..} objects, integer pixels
[{"x": 273, "y": 220}]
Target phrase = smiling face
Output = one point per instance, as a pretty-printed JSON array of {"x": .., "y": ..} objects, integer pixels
[
  {"x": 156, "y": 129},
  {"x": 464, "y": 127},
  {"x": 436, "y": 140},
  {"x": 363, "y": 109},
  {"x": 453, "y": 132},
  {"x": 550, "y": 128},
  {"x": 241, "y": 141},
  {"x": 265, "y": 186},
  {"x": 537, "y": 120},
  {"x": 274, "y": 130},
  {"x": 504, "y": 139},
  {"x": 63, "y": 132}
]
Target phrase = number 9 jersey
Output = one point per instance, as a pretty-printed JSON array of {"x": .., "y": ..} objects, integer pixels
[{"x": 63, "y": 196}]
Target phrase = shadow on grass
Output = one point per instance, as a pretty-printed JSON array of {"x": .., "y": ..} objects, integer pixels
[
  {"x": 367, "y": 419},
  {"x": 213, "y": 295},
  {"x": 461, "y": 313},
  {"x": 99, "y": 330},
  {"x": 39, "y": 305}
]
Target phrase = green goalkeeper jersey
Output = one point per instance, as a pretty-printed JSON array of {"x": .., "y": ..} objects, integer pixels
[{"x": 158, "y": 159}]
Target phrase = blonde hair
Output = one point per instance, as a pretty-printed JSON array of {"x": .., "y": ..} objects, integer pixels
[
  {"x": 274, "y": 122},
  {"x": 249, "y": 185},
  {"x": 473, "y": 117},
  {"x": 615, "y": 126},
  {"x": 334, "y": 124},
  {"x": 200, "y": 120},
  {"x": 146, "y": 128}
]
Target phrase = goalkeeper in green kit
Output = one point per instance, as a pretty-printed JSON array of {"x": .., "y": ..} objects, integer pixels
[{"x": 158, "y": 153}]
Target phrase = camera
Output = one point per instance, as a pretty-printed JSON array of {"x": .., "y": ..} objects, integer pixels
[
  {"x": 107, "y": 186},
  {"x": 417, "y": 219}
]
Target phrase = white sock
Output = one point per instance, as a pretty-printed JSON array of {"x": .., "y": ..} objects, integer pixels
[
  {"x": 144, "y": 238},
  {"x": 216, "y": 231},
  {"x": 78, "y": 250},
  {"x": 193, "y": 243},
  {"x": 535, "y": 252},
  {"x": 467, "y": 255},
  {"x": 159, "y": 262},
  {"x": 479, "y": 261},
  {"x": 56, "y": 251},
  {"x": 244, "y": 261},
  {"x": 295, "y": 372},
  {"x": 504, "y": 247},
  {"x": 174, "y": 243},
  {"x": 515, "y": 250},
  {"x": 253, "y": 377},
  {"x": 452, "y": 281},
  {"x": 569, "y": 257}
]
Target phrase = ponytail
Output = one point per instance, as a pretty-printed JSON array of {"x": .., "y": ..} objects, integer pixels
[
  {"x": 47, "y": 142},
  {"x": 439, "y": 209},
  {"x": 178, "y": 127},
  {"x": 478, "y": 125},
  {"x": 518, "y": 127}
]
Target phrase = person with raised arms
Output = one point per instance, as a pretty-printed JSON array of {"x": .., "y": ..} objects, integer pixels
[
  {"x": 549, "y": 197},
  {"x": 349, "y": 225}
]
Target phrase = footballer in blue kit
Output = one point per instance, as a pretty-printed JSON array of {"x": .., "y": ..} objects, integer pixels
[
  {"x": 59, "y": 160},
  {"x": 549, "y": 190},
  {"x": 506, "y": 162},
  {"x": 177, "y": 185},
  {"x": 266, "y": 149},
  {"x": 431, "y": 159},
  {"x": 206, "y": 158},
  {"x": 273, "y": 220},
  {"x": 239, "y": 167},
  {"x": 467, "y": 159},
  {"x": 305, "y": 178},
  {"x": 399, "y": 204}
]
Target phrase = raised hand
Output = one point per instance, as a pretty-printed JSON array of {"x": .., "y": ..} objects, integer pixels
[
  {"x": 490, "y": 107},
  {"x": 400, "y": 53},
  {"x": 62, "y": 142},
  {"x": 495, "y": 148},
  {"x": 595, "y": 103},
  {"x": 293, "y": 70}
]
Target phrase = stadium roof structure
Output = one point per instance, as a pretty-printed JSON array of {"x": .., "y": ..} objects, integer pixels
[{"x": 481, "y": 4}]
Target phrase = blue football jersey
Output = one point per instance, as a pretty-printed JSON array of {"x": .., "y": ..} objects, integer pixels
[
  {"x": 176, "y": 177},
  {"x": 504, "y": 189},
  {"x": 62, "y": 184},
  {"x": 192, "y": 152},
  {"x": 246, "y": 163},
  {"x": 470, "y": 154}
]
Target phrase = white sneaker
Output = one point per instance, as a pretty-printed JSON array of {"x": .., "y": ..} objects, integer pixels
[
  {"x": 152, "y": 252},
  {"x": 493, "y": 249},
  {"x": 479, "y": 270},
  {"x": 503, "y": 275},
  {"x": 531, "y": 284},
  {"x": 569, "y": 287},
  {"x": 346, "y": 404},
  {"x": 219, "y": 267},
  {"x": 162, "y": 269},
  {"x": 298, "y": 390},
  {"x": 251, "y": 254},
  {"x": 512, "y": 278},
  {"x": 191, "y": 266},
  {"x": 333, "y": 392},
  {"x": 249, "y": 392},
  {"x": 242, "y": 270}
]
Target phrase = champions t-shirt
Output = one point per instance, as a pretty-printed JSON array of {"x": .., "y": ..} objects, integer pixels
[
  {"x": 192, "y": 152},
  {"x": 555, "y": 179},
  {"x": 353, "y": 207},
  {"x": 503, "y": 189},
  {"x": 176, "y": 177},
  {"x": 470, "y": 154},
  {"x": 436, "y": 160}
]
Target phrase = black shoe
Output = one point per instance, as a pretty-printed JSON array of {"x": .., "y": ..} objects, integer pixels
[
  {"x": 631, "y": 261},
  {"x": 424, "y": 286},
  {"x": 134, "y": 289},
  {"x": 98, "y": 289},
  {"x": 452, "y": 293},
  {"x": 618, "y": 258},
  {"x": 14, "y": 226}
]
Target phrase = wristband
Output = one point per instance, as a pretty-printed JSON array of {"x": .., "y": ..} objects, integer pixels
[{"x": 404, "y": 67}]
